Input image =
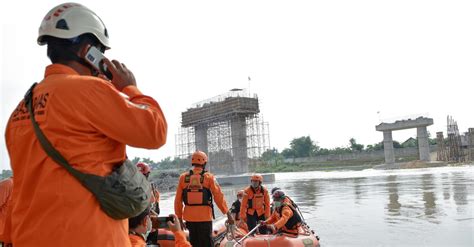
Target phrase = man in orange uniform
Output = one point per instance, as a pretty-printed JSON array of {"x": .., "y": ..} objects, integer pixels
[
  {"x": 140, "y": 227},
  {"x": 255, "y": 203},
  {"x": 90, "y": 122},
  {"x": 196, "y": 190},
  {"x": 285, "y": 218}
]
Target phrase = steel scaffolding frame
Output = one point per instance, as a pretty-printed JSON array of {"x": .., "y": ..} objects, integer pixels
[{"x": 217, "y": 117}]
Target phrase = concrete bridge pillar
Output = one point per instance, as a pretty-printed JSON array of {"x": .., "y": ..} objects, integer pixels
[
  {"x": 388, "y": 147},
  {"x": 423, "y": 143},
  {"x": 240, "y": 161},
  {"x": 200, "y": 135}
]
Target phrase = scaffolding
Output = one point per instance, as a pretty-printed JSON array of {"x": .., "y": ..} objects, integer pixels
[
  {"x": 228, "y": 128},
  {"x": 455, "y": 150},
  {"x": 442, "y": 154}
]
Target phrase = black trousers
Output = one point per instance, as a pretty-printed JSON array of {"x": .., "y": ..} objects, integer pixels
[
  {"x": 200, "y": 233},
  {"x": 252, "y": 222}
]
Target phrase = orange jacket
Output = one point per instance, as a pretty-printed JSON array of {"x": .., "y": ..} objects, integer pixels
[
  {"x": 6, "y": 187},
  {"x": 180, "y": 239},
  {"x": 279, "y": 220},
  {"x": 199, "y": 213},
  {"x": 89, "y": 122},
  {"x": 260, "y": 202},
  {"x": 137, "y": 241}
]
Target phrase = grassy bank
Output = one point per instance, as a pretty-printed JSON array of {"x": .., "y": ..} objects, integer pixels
[{"x": 264, "y": 167}]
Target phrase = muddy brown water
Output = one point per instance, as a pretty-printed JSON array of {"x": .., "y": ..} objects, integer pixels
[{"x": 411, "y": 207}]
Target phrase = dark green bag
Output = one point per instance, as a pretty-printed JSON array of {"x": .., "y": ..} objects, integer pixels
[{"x": 123, "y": 194}]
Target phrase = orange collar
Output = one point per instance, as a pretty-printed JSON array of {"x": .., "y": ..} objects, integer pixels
[{"x": 57, "y": 68}]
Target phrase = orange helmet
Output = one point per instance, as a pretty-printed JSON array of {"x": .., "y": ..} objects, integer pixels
[
  {"x": 199, "y": 158},
  {"x": 143, "y": 168},
  {"x": 240, "y": 193},
  {"x": 257, "y": 177}
]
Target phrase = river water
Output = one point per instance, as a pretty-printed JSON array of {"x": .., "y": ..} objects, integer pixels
[{"x": 411, "y": 207}]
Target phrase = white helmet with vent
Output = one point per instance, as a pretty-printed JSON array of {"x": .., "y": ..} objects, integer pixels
[{"x": 69, "y": 20}]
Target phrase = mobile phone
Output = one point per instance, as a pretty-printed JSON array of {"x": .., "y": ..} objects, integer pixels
[
  {"x": 163, "y": 221},
  {"x": 95, "y": 58}
]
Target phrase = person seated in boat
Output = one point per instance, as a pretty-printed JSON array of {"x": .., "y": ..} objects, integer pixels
[
  {"x": 255, "y": 203},
  {"x": 140, "y": 226},
  {"x": 285, "y": 218},
  {"x": 272, "y": 206},
  {"x": 235, "y": 209}
]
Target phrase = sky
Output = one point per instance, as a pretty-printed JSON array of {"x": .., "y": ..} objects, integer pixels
[{"x": 332, "y": 70}]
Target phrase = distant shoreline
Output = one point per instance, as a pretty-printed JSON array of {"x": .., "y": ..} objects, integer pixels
[{"x": 166, "y": 180}]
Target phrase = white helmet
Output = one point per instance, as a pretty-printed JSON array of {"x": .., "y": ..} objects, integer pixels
[{"x": 70, "y": 20}]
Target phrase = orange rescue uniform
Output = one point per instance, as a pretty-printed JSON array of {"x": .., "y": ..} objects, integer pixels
[
  {"x": 179, "y": 236},
  {"x": 199, "y": 213},
  {"x": 280, "y": 219},
  {"x": 89, "y": 122},
  {"x": 137, "y": 241},
  {"x": 260, "y": 202}
]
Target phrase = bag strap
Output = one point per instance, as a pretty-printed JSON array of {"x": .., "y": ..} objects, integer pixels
[{"x": 45, "y": 143}]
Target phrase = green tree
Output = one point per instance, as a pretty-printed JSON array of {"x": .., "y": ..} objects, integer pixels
[
  {"x": 303, "y": 147},
  {"x": 135, "y": 160},
  {"x": 288, "y": 153},
  {"x": 397, "y": 144},
  {"x": 272, "y": 156},
  {"x": 355, "y": 146}
]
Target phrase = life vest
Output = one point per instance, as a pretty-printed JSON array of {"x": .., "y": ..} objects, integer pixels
[
  {"x": 295, "y": 219},
  {"x": 258, "y": 199},
  {"x": 195, "y": 194}
]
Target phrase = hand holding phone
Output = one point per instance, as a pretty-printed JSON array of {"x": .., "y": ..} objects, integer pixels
[
  {"x": 116, "y": 72},
  {"x": 163, "y": 221},
  {"x": 176, "y": 224}
]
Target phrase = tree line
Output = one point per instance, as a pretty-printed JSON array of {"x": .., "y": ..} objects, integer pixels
[
  {"x": 300, "y": 147},
  {"x": 304, "y": 146}
]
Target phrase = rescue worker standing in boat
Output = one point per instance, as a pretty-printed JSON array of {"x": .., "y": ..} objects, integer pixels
[
  {"x": 197, "y": 189},
  {"x": 285, "y": 218},
  {"x": 255, "y": 203}
]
